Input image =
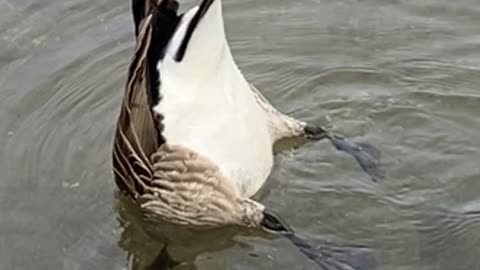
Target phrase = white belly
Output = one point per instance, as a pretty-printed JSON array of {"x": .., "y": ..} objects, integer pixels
[{"x": 221, "y": 120}]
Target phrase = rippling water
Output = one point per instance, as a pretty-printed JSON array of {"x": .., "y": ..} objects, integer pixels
[{"x": 403, "y": 75}]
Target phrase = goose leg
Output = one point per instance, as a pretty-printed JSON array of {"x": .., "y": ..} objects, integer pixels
[
  {"x": 316, "y": 133},
  {"x": 283, "y": 126}
]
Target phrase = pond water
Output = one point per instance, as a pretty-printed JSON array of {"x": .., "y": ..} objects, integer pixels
[{"x": 402, "y": 75}]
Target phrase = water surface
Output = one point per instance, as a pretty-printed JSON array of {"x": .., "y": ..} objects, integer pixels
[{"x": 403, "y": 75}]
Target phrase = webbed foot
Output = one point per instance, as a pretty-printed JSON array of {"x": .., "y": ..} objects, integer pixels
[{"x": 366, "y": 155}]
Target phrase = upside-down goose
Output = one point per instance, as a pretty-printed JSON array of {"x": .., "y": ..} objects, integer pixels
[{"x": 194, "y": 140}]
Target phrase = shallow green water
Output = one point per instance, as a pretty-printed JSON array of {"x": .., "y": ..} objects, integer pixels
[{"x": 402, "y": 75}]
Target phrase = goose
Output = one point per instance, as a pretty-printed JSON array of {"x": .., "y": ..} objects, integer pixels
[{"x": 194, "y": 140}]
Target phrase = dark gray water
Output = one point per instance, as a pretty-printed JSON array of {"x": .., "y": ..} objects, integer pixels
[{"x": 402, "y": 75}]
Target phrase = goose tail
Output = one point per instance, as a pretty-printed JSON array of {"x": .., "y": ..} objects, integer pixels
[{"x": 199, "y": 31}]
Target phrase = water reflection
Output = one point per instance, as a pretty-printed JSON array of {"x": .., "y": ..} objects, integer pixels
[{"x": 152, "y": 243}]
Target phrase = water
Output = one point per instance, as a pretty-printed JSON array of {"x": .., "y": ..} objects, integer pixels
[{"x": 402, "y": 75}]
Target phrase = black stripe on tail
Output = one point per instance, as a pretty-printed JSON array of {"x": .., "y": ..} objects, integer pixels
[{"x": 202, "y": 10}]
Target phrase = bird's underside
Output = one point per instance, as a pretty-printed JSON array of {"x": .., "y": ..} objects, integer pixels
[{"x": 177, "y": 182}]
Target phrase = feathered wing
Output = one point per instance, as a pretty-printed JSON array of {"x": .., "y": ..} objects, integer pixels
[
  {"x": 139, "y": 129},
  {"x": 135, "y": 134}
]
